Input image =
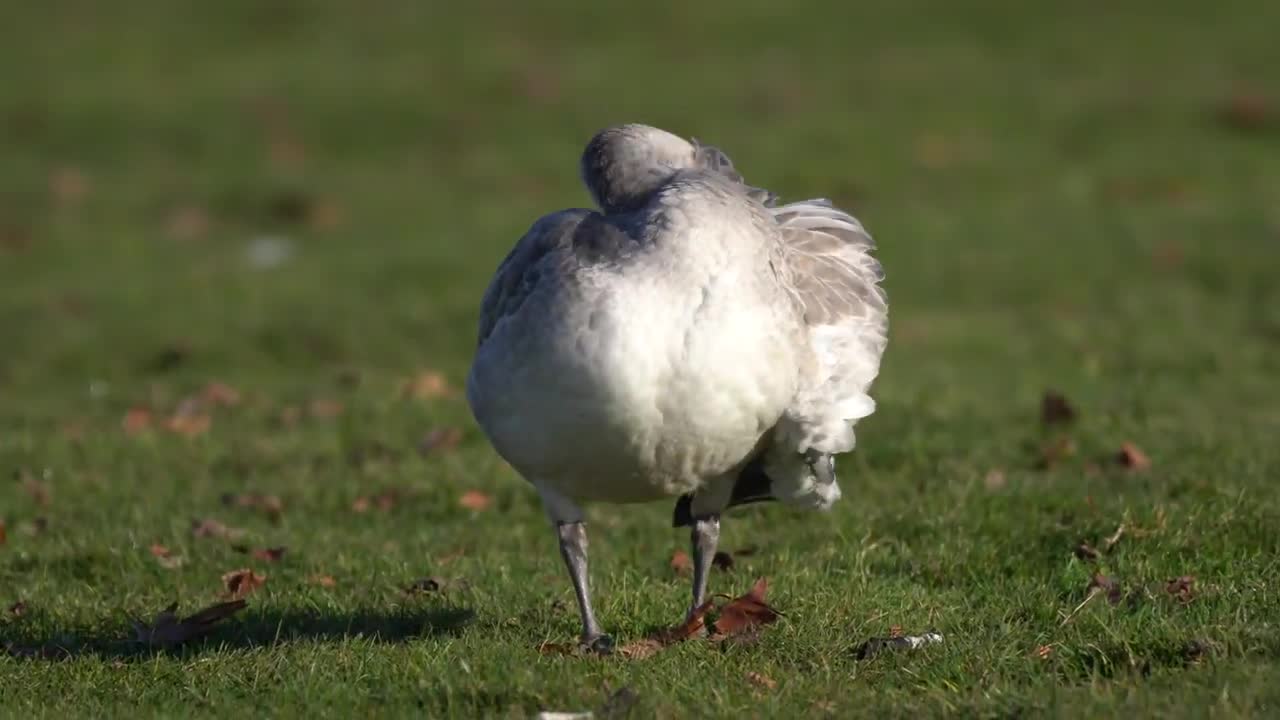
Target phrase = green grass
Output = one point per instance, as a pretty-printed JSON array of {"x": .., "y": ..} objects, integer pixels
[{"x": 1058, "y": 205}]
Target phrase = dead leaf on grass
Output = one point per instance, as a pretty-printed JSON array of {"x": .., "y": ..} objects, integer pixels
[
  {"x": 1182, "y": 588},
  {"x": 440, "y": 439},
  {"x": 681, "y": 563},
  {"x": 209, "y": 527},
  {"x": 1132, "y": 457},
  {"x": 426, "y": 385},
  {"x": 325, "y": 581},
  {"x": 1057, "y": 450},
  {"x": 239, "y": 583},
  {"x": 18, "y": 609},
  {"x": 1103, "y": 584},
  {"x": 760, "y": 680},
  {"x": 1044, "y": 652},
  {"x": 1085, "y": 551},
  {"x": 167, "y": 631},
  {"x": 645, "y": 647},
  {"x": 325, "y": 409},
  {"x": 994, "y": 480},
  {"x": 165, "y": 557},
  {"x": 137, "y": 420},
  {"x": 188, "y": 222},
  {"x": 745, "y": 612},
  {"x": 272, "y": 505},
  {"x": 475, "y": 500},
  {"x": 4, "y": 533},
  {"x": 1114, "y": 538},
  {"x": 272, "y": 554},
  {"x": 69, "y": 185},
  {"x": 189, "y": 419},
  {"x": 1246, "y": 111},
  {"x": 384, "y": 501},
  {"x": 38, "y": 491},
  {"x": 1055, "y": 409},
  {"x": 219, "y": 394}
]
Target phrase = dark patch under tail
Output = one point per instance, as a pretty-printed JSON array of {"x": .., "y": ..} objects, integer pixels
[{"x": 752, "y": 486}]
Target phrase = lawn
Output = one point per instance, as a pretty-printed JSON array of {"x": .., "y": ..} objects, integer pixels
[{"x": 242, "y": 247}]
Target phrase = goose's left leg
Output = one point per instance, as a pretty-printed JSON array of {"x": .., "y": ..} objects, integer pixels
[
  {"x": 704, "y": 508},
  {"x": 572, "y": 532}
]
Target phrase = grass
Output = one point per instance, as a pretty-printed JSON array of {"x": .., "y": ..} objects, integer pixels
[{"x": 1058, "y": 203}]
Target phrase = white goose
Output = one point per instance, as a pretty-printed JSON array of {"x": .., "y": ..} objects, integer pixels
[{"x": 692, "y": 339}]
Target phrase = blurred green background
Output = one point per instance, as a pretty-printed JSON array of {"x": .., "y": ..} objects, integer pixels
[{"x": 304, "y": 200}]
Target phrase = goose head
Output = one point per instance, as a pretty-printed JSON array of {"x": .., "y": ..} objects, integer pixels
[{"x": 623, "y": 165}]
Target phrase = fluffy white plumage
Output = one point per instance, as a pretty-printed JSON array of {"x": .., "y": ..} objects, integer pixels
[{"x": 691, "y": 339}]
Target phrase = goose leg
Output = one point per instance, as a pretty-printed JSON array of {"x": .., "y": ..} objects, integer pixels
[
  {"x": 705, "y": 536},
  {"x": 573, "y": 548}
]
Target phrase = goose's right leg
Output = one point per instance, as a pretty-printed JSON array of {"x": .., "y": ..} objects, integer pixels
[{"x": 572, "y": 532}]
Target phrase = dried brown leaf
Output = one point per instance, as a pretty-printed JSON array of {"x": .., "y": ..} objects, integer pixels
[
  {"x": 1055, "y": 409},
  {"x": 272, "y": 554},
  {"x": 136, "y": 420},
  {"x": 167, "y": 631},
  {"x": 1132, "y": 457},
  {"x": 1103, "y": 584},
  {"x": 681, "y": 563},
  {"x": 69, "y": 185},
  {"x": 895, "y": 631},
  {"x": 1114, "y": 538},
  {"x": 272, "y": 505},
  {"x": 1057, "y": 450},
  {"x": 994, "y": 480},
  {"x": 427, "y": 385},
  {"x": 4, "y": 532},
  {"x": 361, "y": 504},
  {"x": 1247, "y": 111},
  {"x": 325, "y": 581},
  {"x": 746, "y": 611},
  {"x": 18, "y": 609},
  {"x": 440, "y": 439},
  {"x": 219, "y": 394},
  {"x": 1182, "y": 588},
  {"x": 38, "y": 491},
  {"x": 325, "y": 409},
  {"x": 188, "y": 222},
  {"x": 475, "y": 500},
  {"x": 189, "y": 419},
  {"x": 1085, "y": 551},
  {"x": 209, "y": 527},
  {"x": 1044, "y": 652},
  {"x": 763, "y": 681},
  {"x": 645, "y": 647},
  {"x": 239, "y": 583},
  {"x": 165, "y": 557}
]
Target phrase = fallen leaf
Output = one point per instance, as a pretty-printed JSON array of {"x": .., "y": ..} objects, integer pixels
[
  {"x": 745, "y": 612},
  {"x": 440, "y": 439},
  {"x": 1055, "y": 409},
  {"x": 1085, "y": 551},
  {"x": 681, "y": 563},
  {"x": 763, "y": 681},
  {"x": 69, "y": 185},
  {"x": 273, "y": 554},
  {"x": 994, "y": 480},
  {"x": 136, "y": 420},
  {"x": 1246, "y": 111},
  {"x": 1102, "y": 584},
  {"x": 1132, "y": 457},
  {"x": 895, "y": 631},
  {"x": 165, "y": 557},
  {"x": 426, "y": 385},
  {"x": 361, "y": 504},
  {"x": 188, "y": 222},
  {"x": 325, "y": 581},
  {"x": 36, "y": 490},
  {"x": 272, "y": 505},
  {"x": 4, "y": 533},
  {"x": 212, "y": 528},
  {"x": 1044, "y": 651},
  {"x": 325, "y": 409},
  {"x": 218, "y": 394},
  {"x": 167, "y": 631},
  {"x": 1057, "y": 450},
  {"x": 239, "y": 583},
  {"x": 189, "y": 419},
  {"x": 648, "y": 646},
  {"x": 18, "y": 609},
  {"x": 1182, "y": 588},
  {"x": 475, "y": 500}
]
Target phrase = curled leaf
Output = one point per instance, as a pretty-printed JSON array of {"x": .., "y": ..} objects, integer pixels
[
  {"x": 239, "y": 583},
  {"x": 745, "y": 612}
]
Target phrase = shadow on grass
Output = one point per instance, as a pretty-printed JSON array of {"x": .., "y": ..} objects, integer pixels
[{"x": 261, "y": 629}]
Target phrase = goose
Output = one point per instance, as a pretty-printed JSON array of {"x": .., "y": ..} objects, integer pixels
[{"x": 692, "y": 338}]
